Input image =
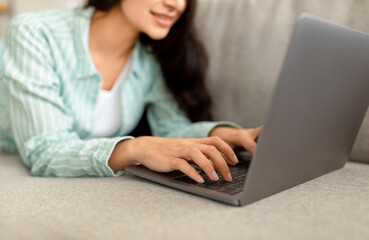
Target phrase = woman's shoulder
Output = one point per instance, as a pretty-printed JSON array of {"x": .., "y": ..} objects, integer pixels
[
  {"x": 56, "y": 20},
  {"x": 36, "y": 18}
]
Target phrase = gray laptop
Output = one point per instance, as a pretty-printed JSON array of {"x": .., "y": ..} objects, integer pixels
[{"x": 318, "y": 105}]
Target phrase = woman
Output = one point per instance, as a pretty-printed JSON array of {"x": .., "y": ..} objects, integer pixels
[{"x": 76, "y": 82}]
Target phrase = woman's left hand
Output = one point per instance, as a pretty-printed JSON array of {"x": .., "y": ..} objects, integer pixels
[{"x": 234, "y": 137}]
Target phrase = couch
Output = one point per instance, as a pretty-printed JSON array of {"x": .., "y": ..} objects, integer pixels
[{"x": 246, "y": 40}]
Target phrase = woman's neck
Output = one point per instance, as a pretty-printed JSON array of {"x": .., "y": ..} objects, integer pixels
[{"x": 111, "y": 33}]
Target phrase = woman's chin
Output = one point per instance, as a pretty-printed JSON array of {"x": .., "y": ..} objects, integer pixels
[{"x": 159, "y": 35}]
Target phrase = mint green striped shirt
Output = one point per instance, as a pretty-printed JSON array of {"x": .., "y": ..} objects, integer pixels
[{"x": 49, "y": 87}]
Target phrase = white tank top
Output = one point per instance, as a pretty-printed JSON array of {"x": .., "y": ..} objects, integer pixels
[{"x": 108, "y": 112}]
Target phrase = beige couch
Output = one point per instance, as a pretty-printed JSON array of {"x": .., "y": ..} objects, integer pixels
[{"x": 247, "y": 40}]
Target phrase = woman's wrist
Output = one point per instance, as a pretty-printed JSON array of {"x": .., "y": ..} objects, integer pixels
[
  {"x": 221, "y": 131},
  {"x": 123, "y": 155}
]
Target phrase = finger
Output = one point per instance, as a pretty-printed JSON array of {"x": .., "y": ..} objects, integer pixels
[
  {"x": 247, "y": 139},
  {"x": 228, "y": 161},
  {"x": 215, "y": 156},
  {"x": 249, "y": 144},
  {"x": 192, "y": 162},
  {"x": 222, "y": 147},
  {"x": 224, "y": 157},
  {"x": 215, "y": 167},
  {"x": 183, "y": 166},
  {"x": 256, "y": 132},
  {"x": 198, "y": 157}
]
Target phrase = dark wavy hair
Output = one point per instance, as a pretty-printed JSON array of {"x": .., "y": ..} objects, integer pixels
[{"x": 183, "y": 61}]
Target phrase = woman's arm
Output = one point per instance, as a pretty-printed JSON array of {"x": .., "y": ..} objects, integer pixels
[
  {"x": 42, "y": 126},
  {"x": 181, "y": 142}
]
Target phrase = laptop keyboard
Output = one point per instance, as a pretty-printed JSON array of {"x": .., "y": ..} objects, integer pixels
[{"x": 238, "y": 172}]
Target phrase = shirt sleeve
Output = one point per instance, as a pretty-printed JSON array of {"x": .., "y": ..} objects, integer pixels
[
  {"x": 166, "y": 119},
  {"x": 42, "y": 126},
  {"x": 1, "y": 50}
]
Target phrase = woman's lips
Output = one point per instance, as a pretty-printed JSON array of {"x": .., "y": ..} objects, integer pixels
[{"x": 163, "y": 20}]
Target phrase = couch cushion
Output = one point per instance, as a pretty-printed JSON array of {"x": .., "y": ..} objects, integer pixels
[
  {"x": 127, "y": 207},
  {"x": 247, "y": 41}
]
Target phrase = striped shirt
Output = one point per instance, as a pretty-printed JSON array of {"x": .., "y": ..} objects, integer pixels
[
  {"x": 1, "y": 50},
  {"x": 48, "y": 91}
]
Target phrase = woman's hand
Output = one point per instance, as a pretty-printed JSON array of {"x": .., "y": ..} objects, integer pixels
[
  {"x": 167, "y": 154},
  {"x": 234, "y": 137}
]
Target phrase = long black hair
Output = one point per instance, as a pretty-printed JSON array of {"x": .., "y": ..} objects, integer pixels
[{"x": 183, "y": 61}]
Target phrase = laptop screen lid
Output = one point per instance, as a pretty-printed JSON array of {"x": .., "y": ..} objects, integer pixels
[{"x": 319, "y": 102}]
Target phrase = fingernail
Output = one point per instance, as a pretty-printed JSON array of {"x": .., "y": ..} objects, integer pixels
[
  {"x": 215, "y": 175},
  {"x": 200, "y": 179},
  {"x": 229, "y": 177},
  {"x": 235, "y": 159}
]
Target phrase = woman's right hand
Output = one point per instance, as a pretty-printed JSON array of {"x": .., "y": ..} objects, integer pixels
[{"x": 159, "y": 154}]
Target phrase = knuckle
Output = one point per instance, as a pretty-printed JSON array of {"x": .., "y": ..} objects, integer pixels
[
  {"x": 216, "y": 139},
  {"x": 212, "y": 150},
  {"x": 192, "y": 150},
  {"x": 181, "y": 165}
]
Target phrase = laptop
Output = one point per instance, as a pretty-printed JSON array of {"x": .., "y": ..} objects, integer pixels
[{"x": 315, "y": 113}]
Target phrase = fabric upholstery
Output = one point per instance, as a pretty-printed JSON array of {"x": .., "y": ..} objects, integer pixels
[{"x": 333, "y": 207}]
